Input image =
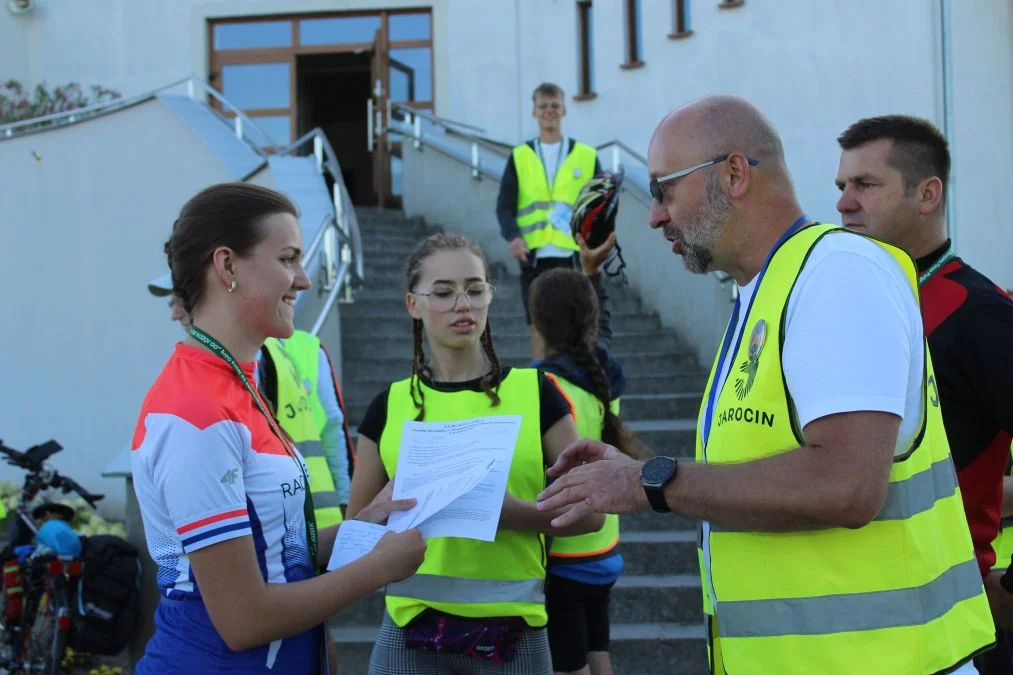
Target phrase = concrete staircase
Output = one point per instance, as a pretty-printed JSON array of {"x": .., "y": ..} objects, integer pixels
[{"x": 657, "y": 625}]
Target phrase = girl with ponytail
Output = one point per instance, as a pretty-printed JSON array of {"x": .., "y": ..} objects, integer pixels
[
  {"x": 473, "y": 606},
  {"x": 569, "y": 312}
]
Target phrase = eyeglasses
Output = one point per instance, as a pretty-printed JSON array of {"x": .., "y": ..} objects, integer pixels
[
  {"x": 444, "y": 298},
  {"x": 656, "y": 183}
]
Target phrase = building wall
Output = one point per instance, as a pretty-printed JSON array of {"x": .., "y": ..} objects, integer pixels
[
  {"x": 982, "y": 140},
  {"x": 82, "y": 238},
  {"x": 812, "y": 67}
]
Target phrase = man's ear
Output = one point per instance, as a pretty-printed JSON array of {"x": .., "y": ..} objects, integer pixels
[{"x": 929, "y": 195}]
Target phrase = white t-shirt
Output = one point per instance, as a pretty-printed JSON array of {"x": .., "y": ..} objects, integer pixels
[
  {"x": 552, "y": 156},
  {"x": 853, "y": 336},
  {"x": 853, "y": 339}
]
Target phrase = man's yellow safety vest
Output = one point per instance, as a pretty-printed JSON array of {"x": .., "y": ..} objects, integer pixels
[
  {"x": 588, "y": 415},
  {"x": 899, "y": 595},
  {"x": 537, "y": 200},
  {"x": 467, "y": 577},
  {"x": 296, "y": 400}
]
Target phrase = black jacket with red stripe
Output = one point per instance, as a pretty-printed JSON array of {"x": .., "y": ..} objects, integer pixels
[{"x": 969, "y": 324}]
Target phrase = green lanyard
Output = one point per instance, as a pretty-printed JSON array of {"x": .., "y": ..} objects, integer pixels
[
  {"x": 559, "y": 158},
  {"x": 311, "y": 522},
  {"x": 936, "y": 266}
]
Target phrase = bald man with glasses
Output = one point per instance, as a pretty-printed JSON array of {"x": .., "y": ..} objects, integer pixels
[{"x": 832, "y": 533}]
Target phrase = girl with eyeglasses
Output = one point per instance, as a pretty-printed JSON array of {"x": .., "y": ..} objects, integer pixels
[{"x": 473, "y": 606}]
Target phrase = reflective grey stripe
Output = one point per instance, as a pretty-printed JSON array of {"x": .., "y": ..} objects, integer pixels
[
  {"x": 310, "y": 449},
  {"x": 908, "y": 497},
  {"x": 325, "y": 499},
  {"x": 852, "y": 612},
  {"x": 436, "y": 588},
  {"x": 920, "y": 492},
  {"x": 534, "y": 227},
  {"x": 532, "y": 207}
]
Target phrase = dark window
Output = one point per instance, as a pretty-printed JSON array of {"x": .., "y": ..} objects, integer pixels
[
  {"x": 681, "y": 24},
  {"x": 585, "y": 35},
  {"x": 634, "y": 40}
]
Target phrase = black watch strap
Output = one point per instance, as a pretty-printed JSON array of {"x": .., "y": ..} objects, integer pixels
[{"x": 656, "y": 496}]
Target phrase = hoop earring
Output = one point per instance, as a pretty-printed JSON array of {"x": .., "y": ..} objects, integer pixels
[{"x": 233, "y": 286}]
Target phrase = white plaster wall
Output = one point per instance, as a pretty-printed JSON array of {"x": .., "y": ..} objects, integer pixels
[
  {"x": 83, "y": 234},
  {"x": 982, "y": 143}
]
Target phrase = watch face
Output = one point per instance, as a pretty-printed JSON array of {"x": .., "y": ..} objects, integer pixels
[{"x": 657, "y": 470}]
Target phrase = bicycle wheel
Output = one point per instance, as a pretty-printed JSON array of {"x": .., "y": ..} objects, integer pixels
[{"x": 47, "y": 640}]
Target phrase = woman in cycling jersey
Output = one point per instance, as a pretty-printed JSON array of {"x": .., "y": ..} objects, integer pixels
[
  {"x": 222, "y": 491},
  {"x": 473, "y": 606},
  {"x": 569, "y": 311}
]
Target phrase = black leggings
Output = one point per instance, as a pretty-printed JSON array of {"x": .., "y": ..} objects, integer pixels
[{"x": 578, "y": 621}]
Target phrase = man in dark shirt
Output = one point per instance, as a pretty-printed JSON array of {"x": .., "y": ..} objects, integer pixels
[{"x": 893, "y": 177}]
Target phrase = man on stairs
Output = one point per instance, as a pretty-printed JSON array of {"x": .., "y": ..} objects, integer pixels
[
  {"x": 296, "y": 376},
  {"x": 833, "y": 538},
  {"x": 540, "y": 184}
]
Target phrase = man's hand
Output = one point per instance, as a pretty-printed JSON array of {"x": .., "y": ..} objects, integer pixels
[
  {"x": 591, "y": 259},
  {"x": 597, "y": 479},
  {"x": 382, "y": 506},
  {"x": 519, "y": 249}
]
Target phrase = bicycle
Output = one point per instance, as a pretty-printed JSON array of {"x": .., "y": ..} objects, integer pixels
[{"x": 34, "y": 633}]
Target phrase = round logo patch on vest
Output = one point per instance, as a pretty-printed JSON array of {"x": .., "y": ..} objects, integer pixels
[
  {"x": 576, "y": 172},
  {"x": 749, "y": 367},
  {"x": 757, "y": 339},
  {"x": 308, "y": 386}
]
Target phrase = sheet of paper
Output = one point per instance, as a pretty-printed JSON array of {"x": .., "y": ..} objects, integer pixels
[
  {"x": 355, "y": 539},
  {"x": 436, "y": 496},
  {"x": 438, "y": 460}
]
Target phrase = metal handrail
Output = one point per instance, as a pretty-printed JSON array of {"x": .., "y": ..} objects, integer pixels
[
  {"x": 345, "y": 210},
  {"x": 68, "y": 117},
  {"x": 8, "y": 129},
  {"x": 441, "y": 121},
  {"x": 332, "y": 297}
]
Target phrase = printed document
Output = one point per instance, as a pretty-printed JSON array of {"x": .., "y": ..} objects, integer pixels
[{"x": 458, "y": 473}]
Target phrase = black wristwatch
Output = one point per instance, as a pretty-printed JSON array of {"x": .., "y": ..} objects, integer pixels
[{"x": 656, "y": 474}]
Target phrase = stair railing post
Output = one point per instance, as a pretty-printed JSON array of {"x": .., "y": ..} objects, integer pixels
[
  {"x": 239, "y": 126},
  {"x": 318, "y": 152},
  {"x": 615, "y": 159},
  {"x": 190, "y": 91},
  {"x": 417, "y": 132},
  {"x": 475, "y": 172}
]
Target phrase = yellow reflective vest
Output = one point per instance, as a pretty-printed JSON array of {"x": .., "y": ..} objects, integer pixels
[
  {"x": 589, "y": 416},
  {"x": 296, "y": 394},
  {"x": 467, "y": 577},
  {"x": 900, "y": 595},
  {"x": 537, "y": 200}
]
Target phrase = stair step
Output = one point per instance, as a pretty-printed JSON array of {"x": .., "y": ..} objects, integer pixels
[
  {"x": 673, "y": 648},
  {"x": 665, "y": 598},
  {"x": 649, "y": 552}
]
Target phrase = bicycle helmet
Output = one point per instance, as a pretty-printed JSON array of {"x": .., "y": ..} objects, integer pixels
[{"x": 594, "y": 213}]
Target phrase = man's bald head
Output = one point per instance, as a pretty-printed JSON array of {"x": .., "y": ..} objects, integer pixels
[{"x": 714, "y": 125}]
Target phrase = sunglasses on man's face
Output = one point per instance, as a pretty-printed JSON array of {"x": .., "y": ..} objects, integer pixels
[{"x": 656, "y": 183}]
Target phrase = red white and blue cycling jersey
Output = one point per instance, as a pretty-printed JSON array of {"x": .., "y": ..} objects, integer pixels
[{"x": 207, "y": 468}]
